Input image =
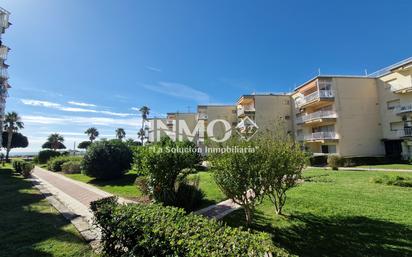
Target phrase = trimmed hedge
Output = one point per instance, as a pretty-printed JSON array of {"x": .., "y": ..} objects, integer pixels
[
  {"x": 18, "y": 165},
  {"x": 155, "y": 230},
  {"x": 23, "y": 167},
  {"x": 45, "y": 155},
  {"x": 55, "y": 163},
  {"x": 72, "y": 167}
]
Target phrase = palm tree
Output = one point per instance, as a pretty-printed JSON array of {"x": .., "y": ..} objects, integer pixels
[
  {"x": 92, "y": 133},
  {"x": 141, "y": 135},
  {"x": 120, "y": 133},
  {"x": 145, "y": 113},
  {"x": 12, "y": 123},
  {"x": 54, "y": 141}
]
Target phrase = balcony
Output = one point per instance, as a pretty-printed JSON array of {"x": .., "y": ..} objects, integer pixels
[
  {"x": 405, "y": 132},
  {"x": 314, "y": 97},
  {"x": 4, "y": 50},
  {"x": 319, "y": 136},
  {"x": 4, "y": 19},
  {"x": 3, "y": 73},
  {"x": 243, "y": 110},
  {"x": 201, "y": 116},
  {"x": 401, "y": 88},
  {"x": 316, "y": 116},
  {"x": 402, "y": 109}
]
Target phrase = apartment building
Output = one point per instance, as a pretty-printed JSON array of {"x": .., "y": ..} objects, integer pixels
[
  {"x": 270, "y": 112},
  {"x": 394, "y": 85},
  {"x": 212, "y": 113},
  {"x": 338, "y": 115},
  {"x": 176, "y": 125},
  {"x": 4, "y": 85}
]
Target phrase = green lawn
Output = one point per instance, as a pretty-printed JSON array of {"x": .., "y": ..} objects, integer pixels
[
  {"x": 212, "y": 193},
  {"x": 340, "y": 213},
  {"x": 30, "y": 226},
  {"x": 123, "y": 186},
  {"x": 389, "y": 166}
]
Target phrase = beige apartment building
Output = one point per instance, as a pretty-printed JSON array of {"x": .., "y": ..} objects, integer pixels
[
  {"x": 210, "y": 114},
  {"x": 338, "y": 115},
  {"x": 394, "y": 85},
  {"x": 270, "y": 112},
  {"x": 171, "y": 127}
]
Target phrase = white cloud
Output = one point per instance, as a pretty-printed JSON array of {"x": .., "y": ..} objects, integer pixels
[
  {"x": 60, "y": 107},
  {"x": 81, "y": 104},
  {"x": 79, "y": 120},
  {"x": 179, "y": 90},
  {"x": 153, "y": 69}
]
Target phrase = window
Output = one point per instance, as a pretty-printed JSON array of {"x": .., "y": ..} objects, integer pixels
[
  {"x": 392, "y": 105},
  {"x": 287, "y": 117},
  {"x": 328, "y": 148},
  {"x": 395, "y": 126}
]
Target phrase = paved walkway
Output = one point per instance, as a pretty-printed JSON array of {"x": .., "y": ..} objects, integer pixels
[
  {"x": 219, "y": 210},
  {"x": 361, "y": 169}
]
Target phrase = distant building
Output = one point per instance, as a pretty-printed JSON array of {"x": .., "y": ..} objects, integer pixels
[{"x": 4, "y": 85}]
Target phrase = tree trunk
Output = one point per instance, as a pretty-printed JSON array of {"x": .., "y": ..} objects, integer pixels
[
  {"x": 248, "y": 215},
  {"x": 9, "y": 138}
]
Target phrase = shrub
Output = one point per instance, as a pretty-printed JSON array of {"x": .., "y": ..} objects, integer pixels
[
  {"x": 335, "y": 161},
  {"x": 393, "y": 181},
  {"x": 55, "y": 163},
  {"x": 27, "y": 169},
  {"x": 45, "y": 155},
  {"x": 165, "y": 168},
  {"x": 188, "y": 194},
  {"x": 142, "y": 183},
  {"x": 107, "y": 159},
  {"x": 18, "y": 165},
  {"x": 155, "y": 230},
  {"x": 71, "y": 167}
]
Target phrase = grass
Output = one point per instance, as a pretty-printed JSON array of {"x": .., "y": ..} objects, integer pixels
[
  {"x": 123, "y": 187},
  {"x": 403, "y": 181},
  {"x": 30, "y": 226},
  {"x": 211, "y": 191},
  {"x": 339, "y": 213},
  {"x": 389, "y": 166}
]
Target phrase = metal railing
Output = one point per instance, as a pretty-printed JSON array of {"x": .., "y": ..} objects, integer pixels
[
  {"x": 321, "y": 136},
  {"x": 316, "y": 115},
  {"x": 405, "y": 132},
  {"x": 315, "y": 96},
  {"x": 242, "y": 109},
  {"x": 403, "y": 108}
]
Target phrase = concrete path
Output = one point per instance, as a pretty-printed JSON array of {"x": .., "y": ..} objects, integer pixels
[
  {"x": 219, "y": 210},
  {"x": 361, "y": 169}
]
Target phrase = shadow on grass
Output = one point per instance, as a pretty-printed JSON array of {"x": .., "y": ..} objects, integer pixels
[
  {"x": 310, "y": 235},
  {"x": 26, "y": 222}
]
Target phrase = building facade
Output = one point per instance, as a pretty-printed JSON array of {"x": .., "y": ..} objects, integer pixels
[
  {"x": 4, "y": 85},
  {"x": 210, "y": 114}
]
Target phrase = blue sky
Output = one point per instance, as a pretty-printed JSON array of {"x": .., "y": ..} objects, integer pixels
[{"x": 76, "y": 64}]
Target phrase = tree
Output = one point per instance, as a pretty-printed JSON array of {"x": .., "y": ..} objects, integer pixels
[
  {"x": 283, "y": 167},
  {"x": 141, "y": 135},
  {"x": 84, "y": 145},
  {"x": 12, "y": 123},
  {"x": 130, "y": 142},
  {"x": 55, "y": 142},
  {"x": 237, "y": 173},
  {"x": 145, "y": 111},
  {"x": 92, "y": 133},
  {"x": 18, "y": 140},
  {"x": 120, "y": 133}
]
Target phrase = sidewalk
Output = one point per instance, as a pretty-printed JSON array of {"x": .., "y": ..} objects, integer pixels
[{"x": 360, "y": 169}]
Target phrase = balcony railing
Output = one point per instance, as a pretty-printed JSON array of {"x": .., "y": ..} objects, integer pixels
[
  {"x": 3, "y": 73},
  {"x": 400, "y": 87},
  {"x": 201, "y": 116},
  {"x": 405, "y": 132},
  {"x": 4, "y": 50},
  {"x": 241, "y": 110},
  {"x": 403, "y": 109},
  {"x": 4, "y": 19},
  {"x": 316, "y": 116},
  {"x": 321, "y": 94},
  {"x": 321, "y": 136}
]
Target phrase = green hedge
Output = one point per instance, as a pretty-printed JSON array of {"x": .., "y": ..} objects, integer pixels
[
  {"x": 18, "y": 165},
  {"x": 155, "y": 230},
  {"x": 45, "y": 155},
  {"x": 72, "y": 167},
  {"x": 55, "y": 163},
  {"x": 23, "y": 167}
]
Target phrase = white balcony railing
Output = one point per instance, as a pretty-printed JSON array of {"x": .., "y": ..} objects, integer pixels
[
  {"x": 399, "y": 87},
  {"x": 4, "y": 50},
  {"x": 321, "y": 136},
  {"x": 321, "y": 94},
  {"x": 405, "y": 132},
  {"x": 202, "y": 116},
  {"x": 3, "y": 73},
  {"x": 316, "y": 116},
  {"x": 4, "y": 19},
  {"x": 400, "y": 109},
  {"x": 242, "y": 109}
]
